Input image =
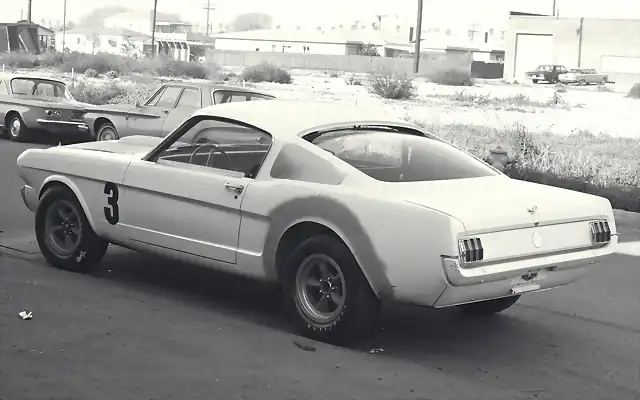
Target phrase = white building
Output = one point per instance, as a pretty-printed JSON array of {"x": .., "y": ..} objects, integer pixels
[{"x": 93, "y": 40}]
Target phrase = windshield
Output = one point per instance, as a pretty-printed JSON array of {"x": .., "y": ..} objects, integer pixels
[
  {"x": 397, "y": 157},
  {"x": 40, "y": 88}
]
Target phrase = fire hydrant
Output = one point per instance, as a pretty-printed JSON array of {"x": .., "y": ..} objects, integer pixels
[{"x": 498, "y": 158}]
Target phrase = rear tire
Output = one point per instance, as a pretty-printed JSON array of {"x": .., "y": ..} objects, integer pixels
[
  {"x": 107, "y": 132},
  {"x": 326, "y": 294},
  {"x": 16, "y": 129},
  {"x": 489, "y": 307},
  {"x": 534, "y": 80},
  {"x": 64, "y": 234}
]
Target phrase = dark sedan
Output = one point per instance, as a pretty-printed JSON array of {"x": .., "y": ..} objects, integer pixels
[{"x": 165, "y": 110}]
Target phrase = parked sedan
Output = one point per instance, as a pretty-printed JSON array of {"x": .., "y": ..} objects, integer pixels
[
  {"x": 583, "y": 76},
  {"x": 31, "y": 104},
  {"x": 342, "y": 206},
  {"x": 546, "y": 72},
  {"x": 164, "y": 111}
]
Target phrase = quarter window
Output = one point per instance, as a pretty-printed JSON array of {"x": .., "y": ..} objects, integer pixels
[{"x": 166, "y": 99}]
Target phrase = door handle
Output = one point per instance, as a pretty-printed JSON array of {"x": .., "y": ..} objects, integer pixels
[{"x": 235, "y": 188}]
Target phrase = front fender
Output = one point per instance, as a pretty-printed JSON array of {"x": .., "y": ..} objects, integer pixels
[{"x": 57, "y": 179}]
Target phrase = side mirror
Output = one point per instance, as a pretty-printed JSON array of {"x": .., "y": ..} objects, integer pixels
[{"x": 138, "y": 104}]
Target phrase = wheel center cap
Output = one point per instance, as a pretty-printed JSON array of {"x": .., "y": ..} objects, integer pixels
[{"x": 326, "y": 287}]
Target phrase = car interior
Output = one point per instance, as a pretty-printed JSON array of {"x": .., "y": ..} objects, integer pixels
[{"x": 226, "y": 146}]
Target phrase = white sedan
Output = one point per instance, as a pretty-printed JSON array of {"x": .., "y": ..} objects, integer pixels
[{"x": 343, "y": 207}]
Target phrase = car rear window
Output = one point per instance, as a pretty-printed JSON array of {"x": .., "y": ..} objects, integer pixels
[{"x": 398, "y": 157}]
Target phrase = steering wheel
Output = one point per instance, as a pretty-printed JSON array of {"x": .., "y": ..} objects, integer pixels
[{"x": 215, "y": 148}]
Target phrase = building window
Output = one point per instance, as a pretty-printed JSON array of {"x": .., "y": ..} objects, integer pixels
[{"x": 78, "y": 40}]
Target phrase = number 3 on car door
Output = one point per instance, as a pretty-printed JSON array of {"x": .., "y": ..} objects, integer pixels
[{"x": 111, "y": 213}]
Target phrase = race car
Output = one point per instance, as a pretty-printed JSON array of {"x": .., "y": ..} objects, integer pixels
[{"x": 343, "y": 206}]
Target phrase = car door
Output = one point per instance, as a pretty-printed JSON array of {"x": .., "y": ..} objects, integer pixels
[
  {"x": 177, "y": 201},
  {"x": 148, "y": 119},
  {"x": 190, "y": 101}
]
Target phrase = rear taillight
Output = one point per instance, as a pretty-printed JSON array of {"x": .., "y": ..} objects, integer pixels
[
  {"x": 470, "y": 250},
  {"x": 600, "y": 232}
]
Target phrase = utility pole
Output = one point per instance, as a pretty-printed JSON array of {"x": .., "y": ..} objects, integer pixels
[
  {"x": 416, "y": 64},
  {"x": 29, "y": 12},
  {"x": 208, "y": 8},
  {"x": 153, "y": 29},
  {"x": 64, "y": 24},
  {"x": 554, "y": 8}
]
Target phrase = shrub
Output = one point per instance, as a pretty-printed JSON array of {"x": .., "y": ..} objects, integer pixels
[
  {"x": 452, "y": 77},
  {"x": 112, "y": 74},
  {"x": 561, "y": 87},
  {"x": 97, "y": 93},
  {"x": 634, "y": 92},
  {"x": 266, "y": 72},
  {"x": 392, "y": 86},
  {"x": 91, "y": 73},
  {"x": 104, "y": 63},
  {"x": 353, "y": 80}
]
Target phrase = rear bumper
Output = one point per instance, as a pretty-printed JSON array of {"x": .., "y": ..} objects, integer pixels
[
  {"x": 29, "y": 197},
  {"x": 67, "y": 127},
  {"x": 465, "y": 285}
]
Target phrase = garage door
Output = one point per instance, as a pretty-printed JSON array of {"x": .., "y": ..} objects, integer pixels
[{"x": 531, "y": 51}]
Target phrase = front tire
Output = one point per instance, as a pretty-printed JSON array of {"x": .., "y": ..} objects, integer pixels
[
  {"x": 326, "y": 293},
  {"x": 107, "y": 132},
  {"x": 489, "y": 307},
  {"x": 64, "y": 234}
]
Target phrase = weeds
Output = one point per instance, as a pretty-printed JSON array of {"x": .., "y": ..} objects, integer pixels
[
  {"x": 266, "y": 73},
  {"x": 392, "y": 86}
]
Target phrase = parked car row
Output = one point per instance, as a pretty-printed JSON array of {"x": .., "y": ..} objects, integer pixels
[
  {"x": 559, "y": 73},
  {"x": 31, "y": 104}
]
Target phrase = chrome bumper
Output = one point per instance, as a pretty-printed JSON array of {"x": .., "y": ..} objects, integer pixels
[
  {"x": 29, "y": 197},
  {"x": 466, "y": 285},
  {"x": 64, "y": 124}
]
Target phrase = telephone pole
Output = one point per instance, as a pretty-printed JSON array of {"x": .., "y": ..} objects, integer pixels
[
  {"x": 64, "y": 24},
  {"x": 416, "y": 65},
  {"x": 29, "y": 12},
  {"x": 208, "y": 8},
  {"x": 153, "y": 29}
]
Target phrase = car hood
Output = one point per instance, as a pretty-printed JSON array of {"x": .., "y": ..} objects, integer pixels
[
  {"x": 500, "y": 202},
  {"x": 128, "y": 145}
]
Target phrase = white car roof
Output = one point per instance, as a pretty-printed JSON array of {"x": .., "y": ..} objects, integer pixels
[{"x": 294, "y": 117}]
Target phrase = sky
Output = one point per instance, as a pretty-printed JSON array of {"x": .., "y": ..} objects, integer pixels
[{"x": 319, "y": 12}]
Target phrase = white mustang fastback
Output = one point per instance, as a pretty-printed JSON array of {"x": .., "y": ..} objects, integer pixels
[{"x": 342, "y": 206}]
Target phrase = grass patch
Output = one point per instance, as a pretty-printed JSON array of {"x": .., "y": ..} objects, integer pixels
[
  {"x": 266, "y": 72},
  {"x": 469, "y": 99},
  {"x": 392, "y": 86},
  {"x": 595, "y": 164},
  {"x": 105, "y": 63}
]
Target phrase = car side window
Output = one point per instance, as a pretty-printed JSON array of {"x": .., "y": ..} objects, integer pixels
[
  {"x": 168, "y": 98},
  {"x": 190, "y": 98},
  {"x": 226, "y": 146}
]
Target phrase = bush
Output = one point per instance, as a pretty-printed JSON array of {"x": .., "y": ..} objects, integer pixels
[
  {"x": 452, "y": 77},
  {"x": 97, "y": 94},
  {"x": 392, "y": 86},
  {"x": 634, "y": 93},
  {"x": 112, "y": 74},
  {"x": 91, "y": 73},
  {"x": 266, "y": 72},
  {"x": 104, "y": 63},
  {"x": 353, "y": 80},
  {"x": 597, "y": 164}
]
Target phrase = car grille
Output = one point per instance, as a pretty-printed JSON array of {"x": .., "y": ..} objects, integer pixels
[
  {"x": 470, "y": 250},
  {"x": 600, "y": 232}
]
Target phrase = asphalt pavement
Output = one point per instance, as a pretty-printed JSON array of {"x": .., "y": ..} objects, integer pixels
[{"x": 145, "y": 328}]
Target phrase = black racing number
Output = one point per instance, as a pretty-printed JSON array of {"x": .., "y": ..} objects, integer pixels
[{"x": 111, "y": 213}]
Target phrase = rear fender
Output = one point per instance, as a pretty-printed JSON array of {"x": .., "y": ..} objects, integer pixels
[{"x": 60, "y": 179}]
